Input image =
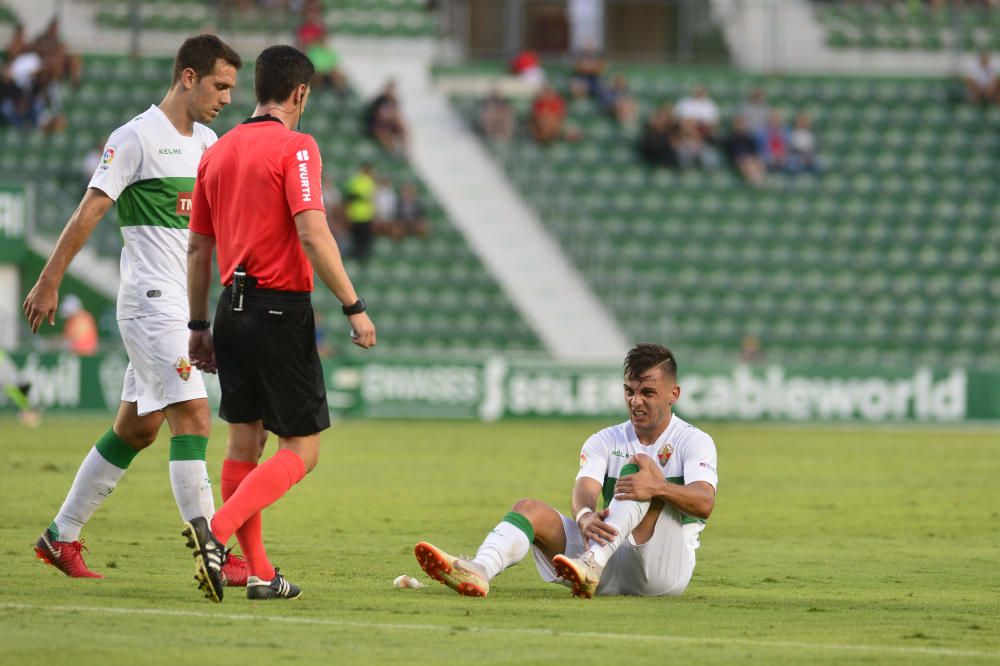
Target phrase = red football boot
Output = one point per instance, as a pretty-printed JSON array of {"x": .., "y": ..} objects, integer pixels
[
  {"x": 235, "y": 571},
  {"x": 65, "y": 556}
]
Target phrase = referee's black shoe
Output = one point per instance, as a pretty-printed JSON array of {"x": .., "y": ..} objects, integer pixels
[
  {"x": 209, "y": 556},
  {"x": 277, "y": 588}
]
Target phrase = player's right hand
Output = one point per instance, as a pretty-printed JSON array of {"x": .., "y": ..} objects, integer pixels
[
  {"x": 201, "y": 350},
  {"x": 41, "y": 304},
  {"x": 362, "y": 330},
  {"x": 593, "y": 527}
]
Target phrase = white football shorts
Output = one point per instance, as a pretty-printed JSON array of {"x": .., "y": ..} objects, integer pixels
[
  {"x": 159, "y": 372},
  {"x": 661, "y": 566}
]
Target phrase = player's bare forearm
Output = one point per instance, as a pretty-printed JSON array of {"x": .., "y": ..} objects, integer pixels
[
  {"x": 94, "y": 205},
  {"x": 42, "y": 301},
  {"x": 324, "y": 255},
  {"x": 694, "y": 499},
  {"x": 321, "y": 249},
  {"x": 586, "y": 491},
  {"x": 199, "y": 274}
]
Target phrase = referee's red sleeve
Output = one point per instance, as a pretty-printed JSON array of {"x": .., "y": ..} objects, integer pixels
[
  {"x": 201, "y": 214},
  {"x": 303, "y": 169}
]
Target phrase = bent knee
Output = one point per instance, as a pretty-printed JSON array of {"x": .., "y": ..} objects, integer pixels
[
  {"x": 528, "y": 507},
  {"x": 138, "y": 438}
]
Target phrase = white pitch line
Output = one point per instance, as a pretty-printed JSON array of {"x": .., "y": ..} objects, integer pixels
[{"x": 530, "y": 631}]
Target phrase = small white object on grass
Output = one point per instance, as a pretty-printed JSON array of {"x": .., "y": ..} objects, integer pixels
[{"x": 405, "y": 581}]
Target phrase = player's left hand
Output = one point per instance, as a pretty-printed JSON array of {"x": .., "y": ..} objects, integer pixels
[
  {"x": 201, "y": 349},
  {"x": 644, "y": 484}
]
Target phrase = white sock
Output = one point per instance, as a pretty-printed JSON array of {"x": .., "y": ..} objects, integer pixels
[
  {"x": 624, "y": 516},
  {"x": 94, "y": 481},
  {"x": 192, "y": 489},
  {"x": 504, "y": 546}
]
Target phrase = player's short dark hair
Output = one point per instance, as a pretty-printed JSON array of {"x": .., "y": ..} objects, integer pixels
[
  {"x": 201, "y": 53},
  {"x": 646, "y": 356},
  {"x": 280, "y": 69}
]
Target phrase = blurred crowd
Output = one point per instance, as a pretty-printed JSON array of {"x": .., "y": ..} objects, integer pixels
[
  {"x": 31, "y": 79},
  {"x": 686, "y": 134}
]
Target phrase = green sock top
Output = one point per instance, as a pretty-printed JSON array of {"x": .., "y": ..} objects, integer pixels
[
  {"x": 114, "y": 449},
  {"x": 188, "y": 447}
]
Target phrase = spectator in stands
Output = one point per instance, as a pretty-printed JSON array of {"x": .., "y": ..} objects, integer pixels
[
  {"x": 548, "y": 117},
  {"x": 618, "y": 102},
  {"x": 79, "y": 327},
  {"x": 700, "y": 108},
  {"x": 751, "y": 350},
  {"x": 586, "y": 24},
  {"x": 658, "y": 144},
  {"x": 744, "y": 152},
  {"x": 385, "y": 205},
  {"x": 755, "y": 110},
  {"x": 19, "y": 106},
  {"x": 527, "y": 67},
  {"x": 384, "y": 121},
  {"x": 982, "y": 80},
  {"x": 312, "y": 30},
  {"x": 58, "y": 62},
  {"x": 693, "y": 148},
  {"x": 802, "y": 146},
  {"x": 360, "y": 209},
  {"x": 496, "y": 118},
  {"x": 588, "y": 70},
  {"x": 411, "y": 218},
  {"x": 311, "y": 37},
  {"x": 18, "y": 43},
  {"x": 774, "y": 142}
]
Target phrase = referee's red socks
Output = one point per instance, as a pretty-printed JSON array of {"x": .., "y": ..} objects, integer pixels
[
  {"x": 259, "y": 489},
  {"x": 250, "y": 535}
]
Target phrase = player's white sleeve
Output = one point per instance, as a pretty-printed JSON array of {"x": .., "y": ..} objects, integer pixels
[
  {"x": 594, "y": 459},
  {"x": 119, "y": 164},
  {"x": 701, "y": 461}
]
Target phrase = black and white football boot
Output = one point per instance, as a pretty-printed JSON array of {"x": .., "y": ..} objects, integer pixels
[
  {"x": 209, "y": 556},
  {"x": 276, "y": 588}
]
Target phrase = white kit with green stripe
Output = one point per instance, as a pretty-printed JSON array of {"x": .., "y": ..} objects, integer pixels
[
  {"x": 684, "y": 453},
  {"x": 149, "y": 169}
]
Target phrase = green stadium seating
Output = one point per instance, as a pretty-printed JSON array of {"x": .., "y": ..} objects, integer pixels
[
  {"x": 890, "y": 257},
  {"x": 908, "y": 26},
  {"x": 374, "y": 18},
  {"x": 424, "y": 294}
]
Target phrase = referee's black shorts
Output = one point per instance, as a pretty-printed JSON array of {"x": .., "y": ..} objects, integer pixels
[{"x": 269, "y": 368}]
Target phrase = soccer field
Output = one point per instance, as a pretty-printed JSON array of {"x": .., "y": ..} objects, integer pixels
[{"x": 826, "y": 546}]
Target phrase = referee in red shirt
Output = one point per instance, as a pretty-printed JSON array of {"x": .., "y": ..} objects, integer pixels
[{"x": 258, "y": 202}]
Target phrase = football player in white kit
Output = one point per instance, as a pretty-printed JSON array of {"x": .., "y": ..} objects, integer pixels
[
  {"x": 657, "y": 474},
  {"x": 148, "y": 168}
]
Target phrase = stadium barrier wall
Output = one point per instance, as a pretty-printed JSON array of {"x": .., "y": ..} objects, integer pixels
[{"x": 498, "y": 387}]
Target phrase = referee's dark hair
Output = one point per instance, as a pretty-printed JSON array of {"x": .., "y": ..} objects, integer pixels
[
  {"x": 280, "y": 69},
  {"x": 201, "y": 53},
  {"x": 646, "y": 356}
]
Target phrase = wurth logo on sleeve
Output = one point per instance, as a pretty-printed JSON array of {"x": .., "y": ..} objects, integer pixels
[
  {"x": 304, "y": 181},
  {"x": 302, "y": 156}
]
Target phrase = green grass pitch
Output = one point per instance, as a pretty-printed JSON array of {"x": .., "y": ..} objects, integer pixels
[{"x": 827, "y": 546}]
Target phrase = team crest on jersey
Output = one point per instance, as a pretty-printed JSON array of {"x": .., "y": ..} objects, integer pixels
[
  {"x": 583, "y": 459},
  {"x": 664, "y": 455},
  {"x": 183, "y": 368}
]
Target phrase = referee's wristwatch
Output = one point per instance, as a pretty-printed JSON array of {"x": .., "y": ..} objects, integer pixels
[{"x": 356, "y": 308}]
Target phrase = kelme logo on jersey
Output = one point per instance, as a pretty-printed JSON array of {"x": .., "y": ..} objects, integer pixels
[
  {"x": 183, "y": 368},
  {"x": 664, "y": 455},
  {"x": 184, "y": 203}
]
